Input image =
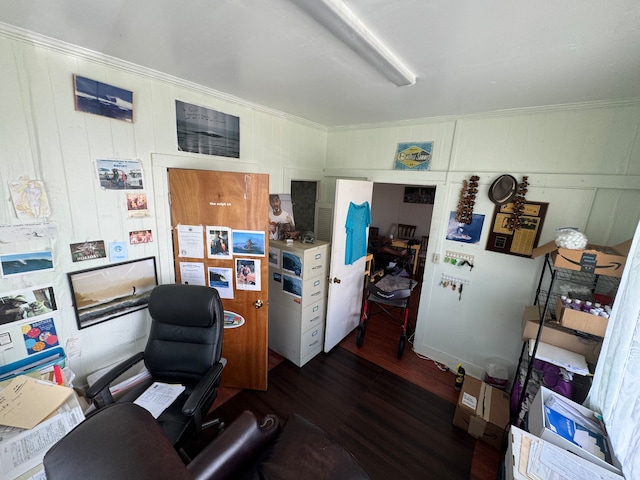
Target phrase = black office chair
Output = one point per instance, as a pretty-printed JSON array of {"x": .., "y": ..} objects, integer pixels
[{"x": 184, "y": 347}]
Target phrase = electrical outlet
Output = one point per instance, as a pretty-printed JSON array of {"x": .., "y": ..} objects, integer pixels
[{"x": 436, "y": 257}]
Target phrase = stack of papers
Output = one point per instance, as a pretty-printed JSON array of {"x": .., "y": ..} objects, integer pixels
[
  {"x": 158, "y": 397},
  {"x": 532, "y": 458},
  {"x": 26, "y": 401}
]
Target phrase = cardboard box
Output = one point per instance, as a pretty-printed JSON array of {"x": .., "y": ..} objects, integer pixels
[
  {"x": 538, "y": 427},
  {"x": 581, "y": 321},
  {"x": 483, "y": 411},
  {"x": 555, "y": 334},
  {"x": 595, "y": 259}
]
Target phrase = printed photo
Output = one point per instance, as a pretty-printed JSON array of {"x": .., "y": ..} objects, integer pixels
[
  {"x": 119, "y": 174},
  {"x": 24, "y": 263},
  {"x": 218, "y": 243},
  {"x": 248, "y": 242},
  {"x": 27, "y": 303},
  {"x": 247, "y": 274},
  {"x": 100, "y": 98},
  {"x": 87, "y": 251}
]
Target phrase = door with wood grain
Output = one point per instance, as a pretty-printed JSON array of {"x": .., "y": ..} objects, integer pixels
[{"x": 234, "y": 205}]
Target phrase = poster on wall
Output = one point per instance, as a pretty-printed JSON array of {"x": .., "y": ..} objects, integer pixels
[
  {"x": 39, "y": 336},
  {"x": 102, "y": 99},
  {"x": 463, "y": 232},
  {"x": 27, "y": 303},
  {"x": 27, "y": 231},
  {"x": 206, "y": 131},
  {"x": 119, "y": 174},
  {"x": 29, "y": 199},
  {"x": 25, "y": 263},
  {"x": 522, "y": 241},
  {"x": 87, "y": 250},
  {"x": 413, "y": 156},
  {"x": 137, "y": 205},
  {"x": 281, "y": 222}
]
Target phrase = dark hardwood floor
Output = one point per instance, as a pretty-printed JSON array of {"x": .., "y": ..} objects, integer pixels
[{"x": 380, "y": 348}]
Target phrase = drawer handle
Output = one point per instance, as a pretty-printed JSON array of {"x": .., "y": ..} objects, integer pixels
[
  {"x": 314, "y": 343},
  {"x": 315, "y": 309},
  {"x": 315, "y": 319},
  {"x": 315, "y": 294},
  {"x": 316, "y": 267},
  {"x": 318, "y": 256},
  {"x": 316, "y": 283}
]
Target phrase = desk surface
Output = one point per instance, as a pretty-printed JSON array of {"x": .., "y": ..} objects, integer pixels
[{"x": 42, "y": 436}]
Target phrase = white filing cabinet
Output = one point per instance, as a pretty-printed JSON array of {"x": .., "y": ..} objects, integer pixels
[{"x": 297, "y": 298}]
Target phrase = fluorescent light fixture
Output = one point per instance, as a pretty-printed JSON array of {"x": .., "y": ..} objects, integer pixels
[{"x": 338, "y": 18}]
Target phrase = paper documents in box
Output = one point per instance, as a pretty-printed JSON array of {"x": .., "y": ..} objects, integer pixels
[
  {"x": 158, "y": 397},
  {"x": 25, "y": 402},
  {"x": 573, "y": 362}
]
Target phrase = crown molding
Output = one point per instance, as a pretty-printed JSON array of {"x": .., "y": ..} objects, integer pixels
[{"x": 27, "y": 36}]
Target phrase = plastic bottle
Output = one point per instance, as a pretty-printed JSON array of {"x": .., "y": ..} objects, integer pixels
[
  {"x": 587, "y": 306},
  {"x": 459, "y": 377},
  {"x": 577, "y": 304},
  {"x": 563, "y": 300}
]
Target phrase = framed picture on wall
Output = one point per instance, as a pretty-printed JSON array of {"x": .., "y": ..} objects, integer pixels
[{"x": 103, "y": 293}]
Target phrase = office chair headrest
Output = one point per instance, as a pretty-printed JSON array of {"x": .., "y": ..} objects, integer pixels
[{"x": 188, "y": 305}]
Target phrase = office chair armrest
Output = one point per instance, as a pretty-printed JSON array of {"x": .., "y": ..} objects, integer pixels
[
  {"x": 234, "y": 447},
  {"x": 202, "y": 390},
  {"x": 99, "y": 392}
]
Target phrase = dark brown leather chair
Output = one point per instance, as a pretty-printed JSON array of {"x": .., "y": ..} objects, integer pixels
[{"x": 124, "y": 441}]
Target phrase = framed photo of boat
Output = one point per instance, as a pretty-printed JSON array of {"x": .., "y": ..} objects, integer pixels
[
  {"x": 100, "y": 98},
  {"x": 103, "y": 293}
]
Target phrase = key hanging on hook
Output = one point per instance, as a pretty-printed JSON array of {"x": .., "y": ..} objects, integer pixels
[{"x": 460, "y": 292}]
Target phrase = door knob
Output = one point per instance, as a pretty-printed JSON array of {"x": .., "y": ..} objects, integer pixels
[{"x": 257, "y": 303}]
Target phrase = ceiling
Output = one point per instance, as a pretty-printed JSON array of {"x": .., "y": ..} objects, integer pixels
[{"x": 469, "y": 56}]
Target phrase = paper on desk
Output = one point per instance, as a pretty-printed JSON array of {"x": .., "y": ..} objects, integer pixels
[
  {"x": 23, "y": 450},
  {"x": 158, "y": 397},
  {"x": 25, "y": 402}
]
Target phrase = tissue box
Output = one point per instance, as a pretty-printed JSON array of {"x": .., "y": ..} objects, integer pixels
[{"x": 483, "y": 411}]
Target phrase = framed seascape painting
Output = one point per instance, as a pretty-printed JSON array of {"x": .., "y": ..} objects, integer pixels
[{"x": 102, "y": 293}]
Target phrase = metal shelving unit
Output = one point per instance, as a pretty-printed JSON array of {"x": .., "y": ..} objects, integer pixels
[{"x": 553, "y": 283}]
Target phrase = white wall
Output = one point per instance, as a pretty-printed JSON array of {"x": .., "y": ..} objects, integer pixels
[
  {"x": 583, "y": 160},
  {"x": 44, "y": 138}
]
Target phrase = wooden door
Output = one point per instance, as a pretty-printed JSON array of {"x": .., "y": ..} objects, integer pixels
[{"x": 233, "y": 202}]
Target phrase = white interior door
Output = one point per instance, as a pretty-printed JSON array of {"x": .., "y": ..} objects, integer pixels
[{"x": 344, "y": 301}]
